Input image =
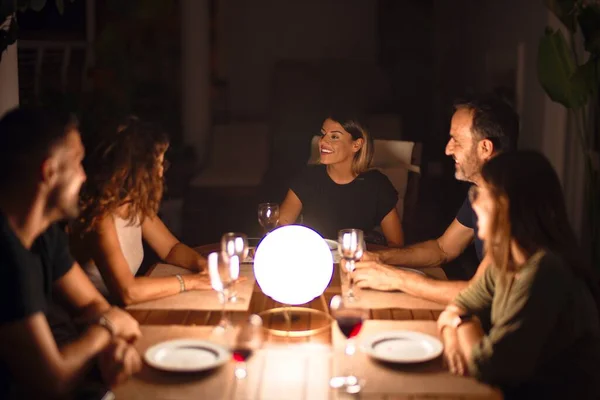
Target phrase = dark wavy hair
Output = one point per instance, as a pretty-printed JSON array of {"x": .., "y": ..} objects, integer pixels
[
  {"x": 124, "y": 169},
  {"x": 531, "y": 210}
]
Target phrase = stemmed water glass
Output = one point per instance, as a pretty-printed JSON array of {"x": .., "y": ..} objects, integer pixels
[
  {"x": 349, "y": 321},
  {"x": 223, "y": 272},
  {"x": 234, "y": 245},
  {"x": 268, "y": 216},
  {"x": 249, "y": 340},
  {"x": 351, "y": 246}
]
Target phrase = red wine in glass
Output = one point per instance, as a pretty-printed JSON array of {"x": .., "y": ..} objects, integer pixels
[
  {"x": 241, "y": 354},
  {"x": 350, "y": 325}
]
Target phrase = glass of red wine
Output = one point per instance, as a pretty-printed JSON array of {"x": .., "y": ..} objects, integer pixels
[
  {"x": 349, "y": 321},
  {"x": 248, "y": 340}
]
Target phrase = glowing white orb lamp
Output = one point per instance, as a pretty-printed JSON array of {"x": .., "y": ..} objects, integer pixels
[{"x": 293, "y": 265}]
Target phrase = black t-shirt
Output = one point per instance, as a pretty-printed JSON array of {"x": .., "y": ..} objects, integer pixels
[
  {"x": 467, "y": 217},
  {"x": 27, "y": 278},
  {"x": 328, "y": 207}
]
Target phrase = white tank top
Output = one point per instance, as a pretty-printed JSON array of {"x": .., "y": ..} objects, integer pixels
[{"x": 130, "y": 240}]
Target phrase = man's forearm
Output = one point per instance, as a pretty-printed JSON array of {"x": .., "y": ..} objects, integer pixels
[
  {"x": 79, "y": 356},
  {"x": 91, "y": 312},
  {"x": 425, "y": 254},
  {"x": 442, "y": 292}
]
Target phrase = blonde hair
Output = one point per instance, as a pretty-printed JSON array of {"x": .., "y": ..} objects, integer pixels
[{"x": 363, "y": 157}]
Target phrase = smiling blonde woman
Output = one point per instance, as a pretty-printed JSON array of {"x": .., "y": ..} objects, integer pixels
[{"x": 342, "y": 192}]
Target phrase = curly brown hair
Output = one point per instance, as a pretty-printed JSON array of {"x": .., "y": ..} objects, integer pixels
[{"x": 124, "y": 169}]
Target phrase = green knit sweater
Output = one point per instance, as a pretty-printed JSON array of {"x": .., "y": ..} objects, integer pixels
[{"x": 544, "y": 341}]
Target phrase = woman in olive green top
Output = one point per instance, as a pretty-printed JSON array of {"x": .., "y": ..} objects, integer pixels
[{"x": 540, "y": 295}]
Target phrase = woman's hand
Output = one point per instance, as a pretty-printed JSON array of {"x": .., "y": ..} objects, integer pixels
[
  {"x": 447, "y": 319},
  {"x": 452, "y": 354},
  {"x": 202, "y": 265},
  {"x": 201, "y": 281}
]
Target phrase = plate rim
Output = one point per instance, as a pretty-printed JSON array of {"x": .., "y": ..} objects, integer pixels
[
  {"x": 332, "y": 241},
  {"x": 223, "y": 354},
  {"x": 367, "y": 345}
]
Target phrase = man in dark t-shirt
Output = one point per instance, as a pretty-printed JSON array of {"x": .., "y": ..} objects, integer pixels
[
  {"x": 468, "y": 218},
  {"x": 481, "y": 127},
  {"x": 40, "y": 157}
]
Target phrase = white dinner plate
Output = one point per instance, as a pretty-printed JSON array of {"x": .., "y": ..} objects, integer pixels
[
  {"x": 186, "y": 355},
  {"x": 336, "y": 256},
  {"x": 417, "y": 271},
  {"x": 333, "y": 245},
  {"x": 403, "y": 347}
]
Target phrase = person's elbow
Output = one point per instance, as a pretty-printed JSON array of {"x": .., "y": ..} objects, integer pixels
[
  {"x": 169, "y": 257},
  {"x": 130, "y": 294},
  {"x": 446, "y": 252},
  {"x": 394, "y": 237}
]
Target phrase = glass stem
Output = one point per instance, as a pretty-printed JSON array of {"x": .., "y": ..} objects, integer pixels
[
  {"x": 224, "y": 317},
  {"x": 350, "y": 269},
  {"x": 349, "y": 351},
  {"x": 241, "y": 371}
]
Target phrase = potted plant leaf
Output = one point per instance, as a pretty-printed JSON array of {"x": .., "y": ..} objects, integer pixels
[{"x": 571, "y": 77}]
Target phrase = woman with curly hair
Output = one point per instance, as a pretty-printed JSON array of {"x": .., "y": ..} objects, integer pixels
[
  {"x": 540, "y": 294},
  {"x": 119, "y": 205}
]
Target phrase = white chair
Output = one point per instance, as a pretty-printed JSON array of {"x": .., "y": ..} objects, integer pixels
[{"x": 396, "y": 159}]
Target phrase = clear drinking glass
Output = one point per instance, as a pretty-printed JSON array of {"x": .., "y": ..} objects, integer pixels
[
  {"x": 249, "y": 340},
  {"x": 223, "y": 272},
  {"x": 351, "y": 246},
  {"x": 349, "y": 321},
  {"x": 268, "y": 216},
  {"x": 234, "y": 244}
]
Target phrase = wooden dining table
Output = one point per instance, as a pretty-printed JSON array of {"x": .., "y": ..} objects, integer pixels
[
  {"x": 401, "y": 305},
  {"x": 290, "y": 367}
]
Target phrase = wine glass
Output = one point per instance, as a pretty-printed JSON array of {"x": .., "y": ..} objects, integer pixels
[
  {"x": 223, "y": 272},
  {"x": 249, "y": 340},
  {"x": 234, "y": 244},
  {"x": 349, "y": 321},
  {"x": 351, "y": 246},
  {"x": 268, "y": 216}
]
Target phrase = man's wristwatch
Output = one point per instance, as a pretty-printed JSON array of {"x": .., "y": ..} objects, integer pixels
[{"x": 107, "y": 324}]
